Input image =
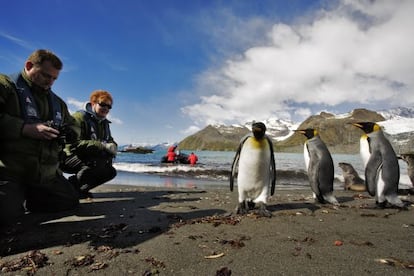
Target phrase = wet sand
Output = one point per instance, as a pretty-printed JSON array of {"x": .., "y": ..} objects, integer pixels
[{"x": 126, "y": 230}]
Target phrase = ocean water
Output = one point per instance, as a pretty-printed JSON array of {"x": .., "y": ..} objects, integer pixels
[{"x": 213, "y": 169}]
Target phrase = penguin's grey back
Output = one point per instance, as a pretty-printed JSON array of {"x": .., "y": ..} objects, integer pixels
[
  {"x": 321, "y": 170},
  {"x": 382, "y": 154}
]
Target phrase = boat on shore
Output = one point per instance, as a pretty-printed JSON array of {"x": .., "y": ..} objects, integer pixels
[
  {"x": 174, "y": 156},
  {"x": 136, "y": 149},
  {"x": 181, "y": 158}
]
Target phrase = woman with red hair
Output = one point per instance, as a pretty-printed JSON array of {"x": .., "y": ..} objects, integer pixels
[{"x": 91, "y": 158}]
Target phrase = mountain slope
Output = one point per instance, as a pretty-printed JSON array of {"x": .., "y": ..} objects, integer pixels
[
  {"x": 337, "y": 132},
  {"x": 219, "y": 138}
]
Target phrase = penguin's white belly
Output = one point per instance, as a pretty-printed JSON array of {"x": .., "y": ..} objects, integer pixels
[
  {"x": 254, "y": 168},
  {"x": 380, "y": 187},
  {"x": 364, "y": 150},
  {"x": 306, "y": 156}
]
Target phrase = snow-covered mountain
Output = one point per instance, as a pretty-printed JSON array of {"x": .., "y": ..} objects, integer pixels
[
  {"x": 399, "y": 126},
  {"x": 397, "y": 113},
  {"x": 398, "y": 120},
  {"x": 277, "y": 129},
  {"x": 400, "y": 131}
]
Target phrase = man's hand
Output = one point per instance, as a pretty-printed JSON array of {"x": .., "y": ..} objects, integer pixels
[{"x": 39, "y": 131}]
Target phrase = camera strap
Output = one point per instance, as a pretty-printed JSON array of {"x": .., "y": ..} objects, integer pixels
[{"x": 28, "y": 106}]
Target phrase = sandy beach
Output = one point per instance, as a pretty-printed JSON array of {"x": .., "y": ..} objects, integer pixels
[{"x": 126, "y": 230}]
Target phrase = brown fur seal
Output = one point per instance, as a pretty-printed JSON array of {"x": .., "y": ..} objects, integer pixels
[
  {"x": 409, "y": 158},
  {"x": 352, "y": 180}
]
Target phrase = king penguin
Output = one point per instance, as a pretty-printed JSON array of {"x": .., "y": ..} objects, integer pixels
[
  {"x": 382, "y": 171},
  {"x": 255, "y": 166},
  {"x": 319, "y": 164}
]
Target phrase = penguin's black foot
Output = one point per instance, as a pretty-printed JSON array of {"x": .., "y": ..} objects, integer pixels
[
  {"x": 262, "y": 211},
  {"x": 381, "y": 205},
  {"x": 251, "y": 205},
  {"x": 387, "y": 204},
  {"x": 401, "y": 206},
  {"x": 242, "y": 208},
  {"x": 406, "y": 191},
  {"x": 319, "y": 200},
  {"x": 404, "y": 207}
]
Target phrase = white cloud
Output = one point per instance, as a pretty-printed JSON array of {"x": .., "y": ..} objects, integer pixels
[
  {"x": 115, "y": 120},
  {"x": 190, "y": 130},
  {"x": 74, "y": 105},
  {"x": 16, "y": 40},
  {"x": 229, "y": 32},
  {"x": 303, "y": 112},
  {"x": 360, "y": 53}
]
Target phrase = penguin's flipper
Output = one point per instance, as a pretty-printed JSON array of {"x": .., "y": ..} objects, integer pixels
[
  {"x": 272, "y": 167},
  {"x": 234, "y": 166},
  {"x": 313, "y": 174},
  {"x": 372, "y": 170},
  {"x": 314, "y": 183},
  {"x": 306, "y": 155},
  {"x": 234, "y": 170},
  {"x": 326, "y": 174}
]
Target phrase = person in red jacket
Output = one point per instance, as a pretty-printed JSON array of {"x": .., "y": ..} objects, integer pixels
[
  {"x": 192, "y": 158},
  {"x": 171, "y": 155}
]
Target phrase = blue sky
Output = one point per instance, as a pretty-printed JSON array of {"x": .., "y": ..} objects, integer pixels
[{"x": 175, "y": 66}]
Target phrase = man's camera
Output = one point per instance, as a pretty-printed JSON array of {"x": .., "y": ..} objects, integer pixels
[{"x": 66, "y": 134}]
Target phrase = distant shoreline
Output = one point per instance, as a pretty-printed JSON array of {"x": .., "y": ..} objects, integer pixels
[{"x": 285, "y": 180}]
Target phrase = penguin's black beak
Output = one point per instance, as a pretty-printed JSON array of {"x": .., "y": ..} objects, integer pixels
[
  {"x": 300, "y": 131},
  {"x": 357, "y": 125},
  {"x": 258, "y": 133},
  {"x": 309, "y": 132},
  {"x": 259, "y": 130}
]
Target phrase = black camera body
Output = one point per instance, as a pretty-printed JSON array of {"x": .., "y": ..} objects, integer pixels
[{"x": 66, "y": 134}]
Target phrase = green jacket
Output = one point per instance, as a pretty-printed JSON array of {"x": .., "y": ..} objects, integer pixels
[
  {"x": 94, "y": 132},
  {"x": 23, "y": 155}
]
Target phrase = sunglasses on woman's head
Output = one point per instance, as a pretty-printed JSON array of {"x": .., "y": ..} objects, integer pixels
[{"x": 105, "y": 105}]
